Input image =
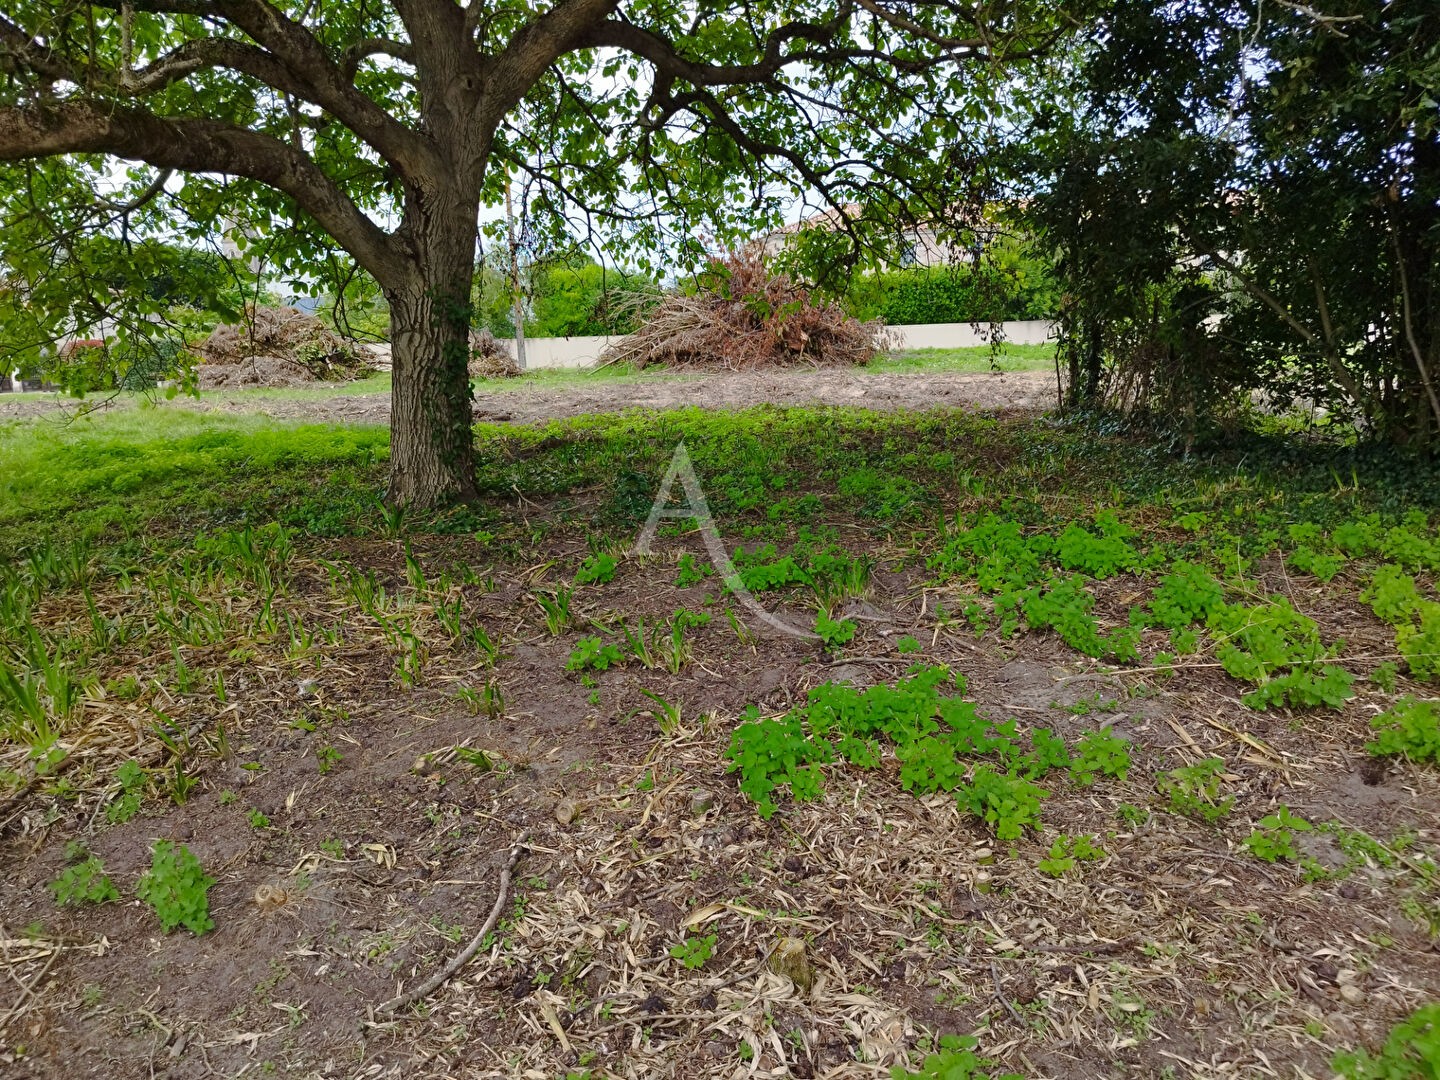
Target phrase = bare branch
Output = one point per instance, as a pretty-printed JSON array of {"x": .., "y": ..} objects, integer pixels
[
  {"x": 290, "y": 59},
  {"x": 1327, "y": 23},
  {"x": 152, "y": 189},
  {"x": 197, "y": 145}
]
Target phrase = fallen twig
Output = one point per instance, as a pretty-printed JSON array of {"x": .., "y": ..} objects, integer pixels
[
  {"x": 442, "y": 976},
  {"x": 1000, "y": 995}
]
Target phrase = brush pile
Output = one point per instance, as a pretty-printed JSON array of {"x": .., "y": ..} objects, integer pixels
[
  {"x": 278, "y": 347},
  {"x": 489, "y": 359},
  {"x": 744, "y": 317}
]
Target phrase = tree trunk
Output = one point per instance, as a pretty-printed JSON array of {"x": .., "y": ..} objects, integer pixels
[{"x": 432, "y": 459}]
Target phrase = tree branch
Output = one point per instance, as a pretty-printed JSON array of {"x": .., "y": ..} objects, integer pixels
[
  {"x": 534, "y": 48},
  {"x": 668, "y": 61},
  {"x": 1415, "y": 350},
  {"x": 1343, "y": 377},
  {"x": 195, "y": 145},
  {"x": 290, "y": 59},
  {"x": 375, "y": 46}
]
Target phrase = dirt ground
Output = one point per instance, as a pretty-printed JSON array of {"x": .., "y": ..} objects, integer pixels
[
  {"x": 1177, "y": 955},
  {"x": 528, "y": 404}
]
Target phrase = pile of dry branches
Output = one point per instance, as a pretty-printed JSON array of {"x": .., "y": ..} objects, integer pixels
[
  {"x": 488, "y": 358},
  {"x": 745, "y": 317},
  {"x": 278, "y": 346}
]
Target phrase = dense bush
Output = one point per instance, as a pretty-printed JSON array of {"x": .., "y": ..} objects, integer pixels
[
  {"x": 1006, "y": 284},
  {"x": 1289, "y": 254},
  {"x": 566, "y": 298},
  {"x": 943, "y": 294},
  {"x": 572, "y": 299}
]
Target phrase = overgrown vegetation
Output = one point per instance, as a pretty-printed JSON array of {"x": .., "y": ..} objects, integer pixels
[{"x": 1281, "y": 592}]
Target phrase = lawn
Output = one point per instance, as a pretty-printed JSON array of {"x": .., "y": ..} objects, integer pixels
[
  {"x": 1094, "y": 760},
  {"x": 1003, "y": 357}
]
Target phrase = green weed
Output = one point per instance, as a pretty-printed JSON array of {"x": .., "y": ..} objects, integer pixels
[
  {"x": 590, "y": 653},
  {"x": 693, "y": 952},
  {"x": 1411, "y": 1051},
  {"x": 955, "y": 1060},
  {"x": 177, "y": 888},
  {"x": 1273, "y": 837},
  {"x": 1194, "y": 791},
  {"x": 598, "y": 569},
  {"x": 84, "y": 883},
  {"x": 1410, "y": 728},
  {"x": 556, "y": 608},
  {"x": 1066, "y": 852}
]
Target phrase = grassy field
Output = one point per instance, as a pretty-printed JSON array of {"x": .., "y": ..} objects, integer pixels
[
  {"x": 1004, "y": 357},
  {"x": 1089, "y": 758}
]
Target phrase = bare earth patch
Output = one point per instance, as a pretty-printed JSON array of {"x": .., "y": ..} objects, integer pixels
[
  {"x": 730, "y": 390},
  {"x": 1177, "y": 951}
]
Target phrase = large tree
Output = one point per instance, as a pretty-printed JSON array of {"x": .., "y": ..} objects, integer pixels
[
  {"x": 1246, "y": 197},
  {"x": 379, "y": 128}
]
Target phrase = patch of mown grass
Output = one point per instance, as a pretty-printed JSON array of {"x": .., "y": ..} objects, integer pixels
[
  {"x": 537, "y": 378},
  {"x": 111, "y": 476},
  {"x": 1005, "y": 357}
]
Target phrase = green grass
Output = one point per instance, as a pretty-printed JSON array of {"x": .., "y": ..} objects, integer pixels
[
  {"x": 1007, "y": 357},
  {"x": 112, "y": 474},
  {"x": 377, "y": 383},
  {"x": 118, "y": 474}
]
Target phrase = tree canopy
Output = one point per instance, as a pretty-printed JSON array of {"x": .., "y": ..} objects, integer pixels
[{"x": 378, "y": 130}]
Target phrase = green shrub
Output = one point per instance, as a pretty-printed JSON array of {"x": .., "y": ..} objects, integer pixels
[
  {"x": 941, "y": 294},
  {"x": 584, "y": 298}
]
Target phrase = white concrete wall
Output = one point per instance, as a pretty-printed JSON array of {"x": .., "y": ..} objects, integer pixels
[
  {"x": 964, "y": 335},
  {"x": 560, "y": 352},
  {"x": 577, "y": 352}
]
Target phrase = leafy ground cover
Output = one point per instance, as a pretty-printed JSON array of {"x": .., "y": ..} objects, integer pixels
[{"x": 1106, "y": 761}]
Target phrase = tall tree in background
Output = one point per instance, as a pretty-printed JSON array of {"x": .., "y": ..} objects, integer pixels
[
  {"x": 380, "y": 128},
  {"x": 1247, "y": 197}
]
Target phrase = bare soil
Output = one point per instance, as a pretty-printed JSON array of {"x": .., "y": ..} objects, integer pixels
[
  {"x": 1177, "y": 952},
  {"x": 523, "y": 404}
]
